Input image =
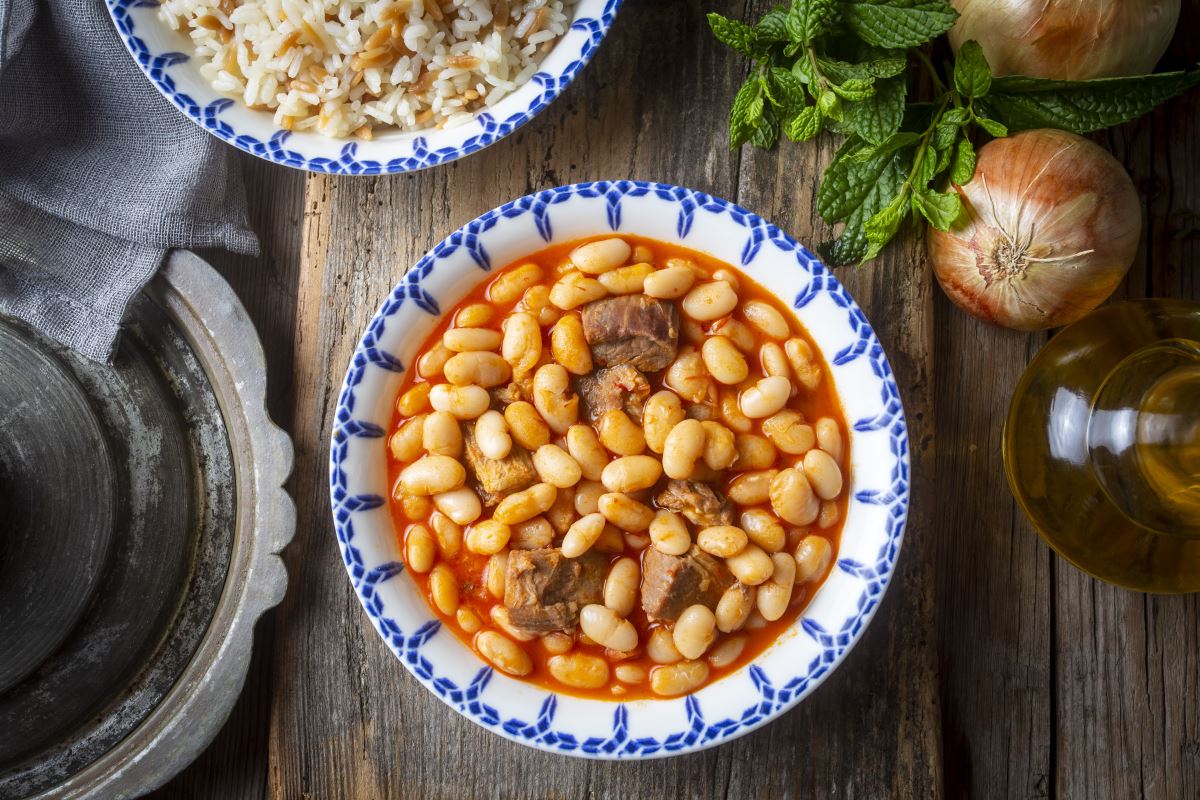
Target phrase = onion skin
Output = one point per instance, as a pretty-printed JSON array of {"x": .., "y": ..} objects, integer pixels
[
  {"x": 1068, "y": 39},
  {"x": 1040, "y": 194}
]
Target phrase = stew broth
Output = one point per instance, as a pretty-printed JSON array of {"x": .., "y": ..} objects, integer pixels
[{"x": 469, "y": 569}]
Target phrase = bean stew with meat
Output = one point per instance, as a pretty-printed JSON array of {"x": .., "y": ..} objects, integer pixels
[{"x": 618, "y": 469}]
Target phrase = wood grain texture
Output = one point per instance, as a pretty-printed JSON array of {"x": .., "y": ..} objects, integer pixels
[{"x": 992, "y": 668}]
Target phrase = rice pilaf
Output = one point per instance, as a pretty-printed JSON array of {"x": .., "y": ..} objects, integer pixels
[{"x": 352, "y": 67}]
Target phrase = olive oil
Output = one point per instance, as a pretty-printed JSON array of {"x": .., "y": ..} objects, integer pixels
[{"x": 1102, "y": 444}]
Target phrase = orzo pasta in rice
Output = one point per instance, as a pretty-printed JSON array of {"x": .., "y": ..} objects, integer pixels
[{"x": 353, "y": 67}]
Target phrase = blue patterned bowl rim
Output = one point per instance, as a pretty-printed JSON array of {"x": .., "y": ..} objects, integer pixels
[
  {"x": 157, "y": 51},
  {"x": 803, "y": 656}
]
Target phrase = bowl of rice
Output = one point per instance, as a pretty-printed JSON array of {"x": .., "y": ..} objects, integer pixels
[{"x": 361, "y": 86}]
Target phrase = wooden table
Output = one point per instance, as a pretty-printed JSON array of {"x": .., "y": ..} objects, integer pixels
[{"x": 992, "y": 669}]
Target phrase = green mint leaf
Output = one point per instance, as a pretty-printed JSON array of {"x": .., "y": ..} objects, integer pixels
[
  {"x": 972, "y": 75},
  {"x": 830, "y": 105},
  {"x": 944, "y": 135},
  {"x": 767, "y": 132},
  {"x": 956, "y": 116},
  {"x": 1081, "y": 106},
  {"x": 733, "y": 33},
  {"x": 940, "y": 208},
  {"x": 878, "y": 117},
  {"x": 855, "y": 89},
  {"x": 745, "y": 112},
  {"x": 897, "y": 141},
  {"x": 773, "y": 26},
  {"x": 852, "y": 192},
  {"x": 882, "y": 225},
  {"x": 943, "y": 159},
  {"x": 898, "y": 23},
  {"x": 839, "y": 71},
  {"x": 928, "y": 166},
  {"x": 804, "y": 125},
  {"x": 808, "y": 19},
  {"x": 963, "y": 166},
  {"x": 996, "y": 129},
  {"x": 788, "y": 89}
]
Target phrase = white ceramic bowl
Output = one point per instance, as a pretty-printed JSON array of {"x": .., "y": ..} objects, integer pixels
[
  {"x": 163, "y": 55},
  {"x": 791, "y": 667}
]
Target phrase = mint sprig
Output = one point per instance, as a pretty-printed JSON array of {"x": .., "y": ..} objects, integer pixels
[{"x": 844, "y": 66}]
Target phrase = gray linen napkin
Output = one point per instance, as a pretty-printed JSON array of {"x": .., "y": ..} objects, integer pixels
[{"x": 99, "y": 175}]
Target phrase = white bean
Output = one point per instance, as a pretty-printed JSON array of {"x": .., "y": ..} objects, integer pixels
[
  {"x": 621, "y": 586},
  {"x": 752, "y": 488},
  {"x": 788, "y": 431},
  {"x": 684, "y": 445},
  {"x": 662, "y": 412},
  {"x": 585, "y": 448},
  {"x": 461, "y": 505},
  {"x": 734, "y": 607},
  {"x": 626, "y": 280},
  {"x": 625, "y": 512},
  {"x": 727, "y": 651},
  {"x": 491, "y": 434},
  {"x": 763, "y": 529},
  {"x": 575, "y": 289},
  {"x": 720, "y": 450},
  {"x": 503, "y": 620},
  {"x": 531, "y": 534},
  {"x": 579, "y": 670},
  {"x": 776, "y": 592},
  {"x": 813, "y": 555},
  {"x": 722, "y": 541},
  {"x": 488, "y": 537},
  {"x": 522, "y": 344},
  {"x": 792, "y": 498},
  {"x": 569, "y": 346},
  {"x": 660, "y": 647},
  {"x": 804, "y": 364},
  {"x": 723, "y": 361},
  {"x": 553, "y": 398},
  {"x": 479, "y": 368},
  {"x": 442, "y": 436},
  {"x": 694, "y": 631},
  {"x": 829, "y": 437},
  {"x": 466, "y": 340},
  {"x": 751, "y": 566},
  {"x": 621, "y": 435},
  {"x": 587, "y": 497},
  {"x": 675, "y": 679},
  {"x": 526, "y": 425},
  {"x": 669, "y": 283},
  {"x": 419, "y": 551},
  {"x": 709, "y": 301},
  {"x": 433, "y": 360},
  {"x": 464, "y": 402},
  {"x": 631, "y": 473},
  {"x": 511, "y": 284},
  {"x": 764, "y": 317},
  {"x": 432, "y": 475},
  {"x": 408, "y": 440},
  {"x": 555, "y": 467},
  {"x": 823, "y": 473},
  {"x": 503, "y": 653},
  {"x": 765, "y": 397},
  {"x": 601, "y": 256},
  {"x": 669, "y": 533},
  {"x": 603, "y": 625},
  {"x": 526, "y": 504},
  {"x": 582, "y": 534}
]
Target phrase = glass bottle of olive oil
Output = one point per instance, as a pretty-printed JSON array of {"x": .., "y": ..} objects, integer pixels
[{"x": 1102, "y": 444}]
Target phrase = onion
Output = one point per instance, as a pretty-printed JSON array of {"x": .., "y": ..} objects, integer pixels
[
  {"x": 1068, "y": 39},
  {"x": 1050, "y": 226}
]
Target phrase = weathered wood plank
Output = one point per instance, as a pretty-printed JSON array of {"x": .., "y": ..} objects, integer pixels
[
  {"x": 347, "y": 719},
  {"x": 234, "y": 767},
  {"x": 1127, "y": 663},
  {"x": 881, "y": 707}
]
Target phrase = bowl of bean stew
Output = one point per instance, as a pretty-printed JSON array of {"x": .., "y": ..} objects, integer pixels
[{"x": 620, "y": 470}]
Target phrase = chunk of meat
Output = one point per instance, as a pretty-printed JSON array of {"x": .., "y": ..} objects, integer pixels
[
  {"x": 545, "y": 591},
  {"x": 503, "y": 396},
  {"x": 611, "y": 388},
  {"x": 632, "y": 329},
  {"x": 496, "y": 478},
  {"x": 670, "y": 584},
  {"x": 699, "y": 502}
]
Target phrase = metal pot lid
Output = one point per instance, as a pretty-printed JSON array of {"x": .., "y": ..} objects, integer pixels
[{"x": 137, "y": 500}]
